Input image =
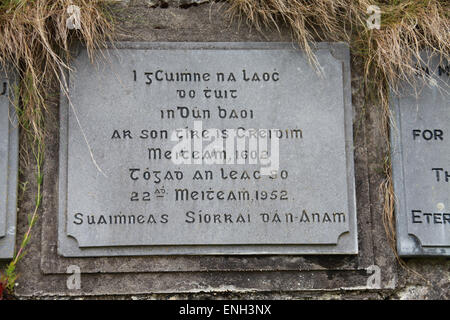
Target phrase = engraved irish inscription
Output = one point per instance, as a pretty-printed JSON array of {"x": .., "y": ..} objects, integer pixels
[{"x": 206, "y": 149}]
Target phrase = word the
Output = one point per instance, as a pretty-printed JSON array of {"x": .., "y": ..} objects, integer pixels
[{"x": 446, "y": 174}]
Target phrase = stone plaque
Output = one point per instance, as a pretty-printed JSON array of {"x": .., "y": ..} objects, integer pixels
[
  {"x": 421, "y": 162},
  {"x": 8, "y": 166},
  {"x": 207, "y": 148}
]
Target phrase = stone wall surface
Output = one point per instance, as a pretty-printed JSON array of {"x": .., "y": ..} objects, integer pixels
[{"x": 43, "y": 273}]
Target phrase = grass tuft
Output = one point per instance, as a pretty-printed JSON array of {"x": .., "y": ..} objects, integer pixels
[{"x": 35, "y": 39}]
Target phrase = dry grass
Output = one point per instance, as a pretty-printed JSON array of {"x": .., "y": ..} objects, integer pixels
[
  {"x": 406, "y": 27},
  {"x": 34, "y": 38},
  {"x": 307, "y": 20}
]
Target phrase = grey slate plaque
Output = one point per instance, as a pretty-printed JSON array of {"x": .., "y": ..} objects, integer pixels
[
  {"x": 125, "y": 186},
  {"x": 8, "y": 166},
  {"x": 421, "y": 162}
]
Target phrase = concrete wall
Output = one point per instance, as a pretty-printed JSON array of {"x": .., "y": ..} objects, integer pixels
[{"x": 43, "y": 272}]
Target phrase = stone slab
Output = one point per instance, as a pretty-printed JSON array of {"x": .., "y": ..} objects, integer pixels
[
  {"x": 421, "y": 159},
  {"x": 123, "y": 98},
  {"x": 8, "y": 165},
  {"x": 213, "y": 273}
]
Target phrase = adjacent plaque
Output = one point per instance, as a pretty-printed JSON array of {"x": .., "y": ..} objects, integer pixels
[
  {"x": 421, "y": 161},
  {"x": 207, "y": 148},
  {"x": 8, "y": 166}
]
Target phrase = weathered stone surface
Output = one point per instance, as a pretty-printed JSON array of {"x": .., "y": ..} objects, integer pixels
[
  {"x": 43, "y": 273},
  {"x": 421, "y": 163},
  {"x": 8, "y": 166},
  {"x": 117, "y": 192}
]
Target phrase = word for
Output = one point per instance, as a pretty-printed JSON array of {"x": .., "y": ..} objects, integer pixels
[{"x": 428, "y": 134}]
